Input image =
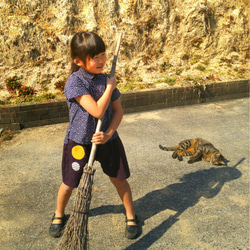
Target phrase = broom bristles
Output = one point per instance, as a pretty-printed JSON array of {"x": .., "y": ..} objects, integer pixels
[{"x": 75, "y": 236}]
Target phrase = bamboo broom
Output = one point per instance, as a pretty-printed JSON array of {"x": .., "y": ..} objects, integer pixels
[{"x": 75, "y": 236}]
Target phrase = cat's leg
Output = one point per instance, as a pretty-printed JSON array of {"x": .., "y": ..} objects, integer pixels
[
  {"x": 180, "y": 158},
  {"x": 195, "y": 157},
  {"x": 178, "y": 153},
  {"x": 174, "y": 155},
  {"x": 185, "y": 152}
]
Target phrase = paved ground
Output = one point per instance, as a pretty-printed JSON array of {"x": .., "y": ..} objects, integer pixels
[{"x": 180, "y": 206}]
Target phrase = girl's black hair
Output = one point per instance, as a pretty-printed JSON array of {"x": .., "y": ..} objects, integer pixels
[{"x": 84, "y": 45}]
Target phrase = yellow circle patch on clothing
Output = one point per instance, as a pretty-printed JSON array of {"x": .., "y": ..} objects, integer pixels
[{"x": 78, "y": 152}]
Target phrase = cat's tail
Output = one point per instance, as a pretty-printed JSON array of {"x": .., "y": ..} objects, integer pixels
[{"x": 167, "y": 148}]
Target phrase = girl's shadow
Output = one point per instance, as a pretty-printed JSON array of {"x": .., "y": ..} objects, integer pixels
[{"x": 178, "y": 197}]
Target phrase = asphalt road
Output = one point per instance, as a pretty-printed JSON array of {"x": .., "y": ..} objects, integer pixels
[{"x": 180, "y": 206}]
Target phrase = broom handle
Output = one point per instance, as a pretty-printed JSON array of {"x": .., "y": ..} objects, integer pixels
[{"x": 99, "y": 123}]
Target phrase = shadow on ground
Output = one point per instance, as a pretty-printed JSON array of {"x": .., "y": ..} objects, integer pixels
[{"x": 177, "y": 197}]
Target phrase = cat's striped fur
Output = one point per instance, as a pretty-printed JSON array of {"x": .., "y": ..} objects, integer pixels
[{"x": 197, "y": 149}]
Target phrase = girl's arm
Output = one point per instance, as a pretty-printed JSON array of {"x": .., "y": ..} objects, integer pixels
[
  {"x": 97, "y": 109},
  {"x": 103, "y": 137}
]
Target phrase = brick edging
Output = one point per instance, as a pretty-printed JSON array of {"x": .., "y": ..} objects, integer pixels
[
  {"x": 178, "y": 96},
  {"x": 25, "y": 115}
]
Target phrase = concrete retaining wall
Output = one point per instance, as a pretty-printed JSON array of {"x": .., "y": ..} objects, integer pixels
[{"x": 16, "y": 117}]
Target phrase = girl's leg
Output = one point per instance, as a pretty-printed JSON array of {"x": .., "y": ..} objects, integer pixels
[
  {"x": 63, "y": 196},
  {"x": 59, "y": 219},
  {"x": 125, "y": 194}
]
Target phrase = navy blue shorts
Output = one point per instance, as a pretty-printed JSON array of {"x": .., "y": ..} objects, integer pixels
[{"x": 111, "y": 156}]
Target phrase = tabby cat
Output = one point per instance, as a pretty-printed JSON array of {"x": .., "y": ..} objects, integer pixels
[{"x": 196, "y": 149}]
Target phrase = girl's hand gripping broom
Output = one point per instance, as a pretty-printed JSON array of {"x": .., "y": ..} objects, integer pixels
[{"x": 75, "y": 235}]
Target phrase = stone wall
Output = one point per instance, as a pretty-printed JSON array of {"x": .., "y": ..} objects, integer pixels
[{"x": 34, "y": 37}]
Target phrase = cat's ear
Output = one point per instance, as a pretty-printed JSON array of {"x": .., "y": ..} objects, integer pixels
[
  {"x": 222, "y": 162},
  {"x": 219, "y": 155}
]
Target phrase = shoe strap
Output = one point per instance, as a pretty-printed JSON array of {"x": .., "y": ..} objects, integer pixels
[
  {"x": 132, "y": 220},
  {"x": 58, "y": 218}
]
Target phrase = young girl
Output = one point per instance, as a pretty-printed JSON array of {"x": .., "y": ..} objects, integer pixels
[{"x": 91, "y": 95}]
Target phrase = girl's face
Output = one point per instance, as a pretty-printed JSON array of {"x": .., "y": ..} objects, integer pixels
[{"x": 96, "y": 64}]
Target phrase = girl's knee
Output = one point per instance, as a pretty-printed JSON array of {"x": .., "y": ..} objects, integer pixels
[
  {"x": 66, "y": 188},
  {"x": 118, "y": 182}
]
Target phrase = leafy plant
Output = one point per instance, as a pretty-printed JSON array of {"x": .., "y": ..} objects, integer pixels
[
  {"x": 7, "y": 135},
  {"x": 13, "y": 84},
  {"x": 21, "y": 93},
  {"x": 60, "y": 85},
  {"x": 168, "y": 80},
  {"x": 191, "y": 79},
  {"x": 201, "y": 68},
  {"x": 26, "y": 91},
  {"x": 134, "y": 86},
  {"x": 195, "y": 59},
  {"x": 166, "y": 65},
  {"x": 179, "y": 71},
  {"x": 43, "y": 97}
]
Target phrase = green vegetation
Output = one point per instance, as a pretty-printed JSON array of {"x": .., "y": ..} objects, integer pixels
[
  {"x": 23, "y": 93},
  {"x": 13, "y": 84},
  {"x": 196, "y": 81},
  {"x": 165, "y": 66},
  {"x": 170, "y": 81},
  {"x": 7, "y": 135},
  {"x": 134, "y": 86},
  {"x": 195, "y": 60},
  {"x": 131, "y": 80},
  {"x": 201, "y": 68},
  {"x": 60, "y": 85},
  {"x": 179, "y": 71},
  {"x": 20, "y": 93}
]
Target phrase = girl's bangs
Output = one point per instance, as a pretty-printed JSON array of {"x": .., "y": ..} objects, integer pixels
[{"x": 95, "y": 46}]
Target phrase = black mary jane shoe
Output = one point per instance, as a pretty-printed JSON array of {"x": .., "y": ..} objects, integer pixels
[
  {"x": 131, "y": 231},
  {"x": 55, "y": 230}
]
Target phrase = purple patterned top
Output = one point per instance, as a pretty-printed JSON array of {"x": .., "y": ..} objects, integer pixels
[{"x": 82, "y": 125}]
